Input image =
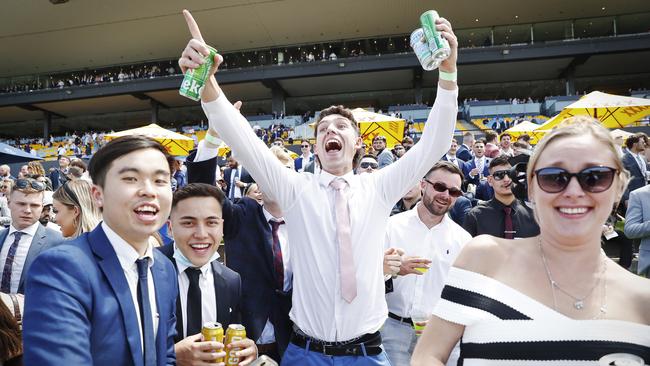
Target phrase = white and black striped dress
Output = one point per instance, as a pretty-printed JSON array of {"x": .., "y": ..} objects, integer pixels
[{"x": 505, "y": 327}]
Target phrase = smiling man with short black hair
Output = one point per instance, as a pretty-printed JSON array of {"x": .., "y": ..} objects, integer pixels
[{"x": 503, "y": 216}]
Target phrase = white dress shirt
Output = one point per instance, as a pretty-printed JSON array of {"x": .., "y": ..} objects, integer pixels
[
  {"x": 454, "y": 160},
  {"x": 235, "y": 173},
  {"x": 127, "y": 256},
  {"x": 308, "y": 204},
  {"x": 208, "y": 296},
  {"x": 441, "y": 244},
  {"x": 21, "y": 253}
]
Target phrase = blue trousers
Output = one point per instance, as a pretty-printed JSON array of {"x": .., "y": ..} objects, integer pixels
[{"x": 296, "y": 356}]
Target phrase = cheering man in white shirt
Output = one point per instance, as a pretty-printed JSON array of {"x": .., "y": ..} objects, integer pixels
[
  {"x": 427, "y": 235},
  {"x": 332, "y": 216}
]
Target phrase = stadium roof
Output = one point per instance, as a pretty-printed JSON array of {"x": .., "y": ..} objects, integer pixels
[{"x": 38, "y": 37}]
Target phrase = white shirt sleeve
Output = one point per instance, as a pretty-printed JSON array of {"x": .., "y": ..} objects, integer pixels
[
  {"x": 396, "y": 179},
  {"x": 278, "y": 182}
]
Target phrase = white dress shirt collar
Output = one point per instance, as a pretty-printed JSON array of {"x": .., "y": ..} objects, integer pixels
[
  {"x": 205, "y": 269},
  {"x": 325, "y": 178},
  {"x": 126, "y": 254},
  {"x": 30, "y": 230}
]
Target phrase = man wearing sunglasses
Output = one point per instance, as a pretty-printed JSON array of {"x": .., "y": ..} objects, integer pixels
[
  {"x": 503, "y": 216},
  {"x": 305, "y": 158},
  {"x": 431, "y": 241},
  {"x": 368, "y": 164},
  {"x": 26, "y": 237}
]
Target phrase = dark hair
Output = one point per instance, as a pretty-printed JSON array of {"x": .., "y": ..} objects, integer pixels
[
  {"x": 103, "y": 159},
  {"x": 368, "y": 156},
  {"x": 305, "y": 140},
  {"x": 504, "y": 135},
  {"x": 336, "y": 109},
  {"x": 633, "y": 140},
  {"x": 79, "y": 164},
  {"x": 490, "y": 135},
  {"x": 479, "y": 141},
  {"x": 520, "y": 145},
  {"x": 380, "y": 138},
  {"x": 197, "y": 190},
  {"x": 407, "y": 139},
  {"x": 499, "y": 160},
  {"x": 10, "y": 338},
  {"x": 446, "y": 166}
]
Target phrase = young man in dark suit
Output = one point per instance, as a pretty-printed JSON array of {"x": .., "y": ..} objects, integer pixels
[
  {"x": 635, "y": 163},
  {"x": 208, "y": 290},
  {"x": 26, "y": 237},
  {"x": 108, "y": 298},
  {"x": 236, "y": 178},
  {"x": 249, "y": 242}
]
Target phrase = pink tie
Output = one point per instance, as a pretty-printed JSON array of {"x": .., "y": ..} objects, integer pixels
[{"x": 344, "y": 234}]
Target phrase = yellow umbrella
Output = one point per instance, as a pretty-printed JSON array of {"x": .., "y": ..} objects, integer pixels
[
  {"x": 175, "y": 143},
  {"x": 613, "y": 111},
  {"x": 525, "y": 128},
  {"x": 374, "y": 124}
]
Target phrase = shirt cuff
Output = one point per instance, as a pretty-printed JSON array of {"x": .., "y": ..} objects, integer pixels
[{"x": 204, "y": 152}]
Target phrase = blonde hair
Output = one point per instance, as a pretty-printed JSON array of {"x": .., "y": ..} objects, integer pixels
[
  {"x": 282, "y": 155},
  {"x": 37, "y": 168},
  {"x": 78, "y": 195},
  {"x": 581, "y": 126}
]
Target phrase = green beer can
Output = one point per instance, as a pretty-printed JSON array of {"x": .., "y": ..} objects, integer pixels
[
  {"x": 439, "y": 46},
  {"x": 195, "y": 79}
]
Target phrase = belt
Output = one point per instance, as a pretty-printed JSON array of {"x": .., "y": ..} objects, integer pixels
[
  {"x": 400, "y": 319},
  {"x": 370, "y": 342},
  {"x": 266, "y": 348}
]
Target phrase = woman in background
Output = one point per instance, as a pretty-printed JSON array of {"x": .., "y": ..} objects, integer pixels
[{"x": 75, "y": 209}]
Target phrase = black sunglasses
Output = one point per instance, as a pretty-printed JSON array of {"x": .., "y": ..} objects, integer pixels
[
  {"x": 368, "y": 164},
  {"x": 500, "y": 174},
  {"x": 594, "y": 179},
  {"x": 441, "y": 187},
  {"x": 23, "y": 183},
  {"x": 305, "y": 145}
]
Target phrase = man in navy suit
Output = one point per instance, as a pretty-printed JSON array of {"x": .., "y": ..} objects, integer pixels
[
  {"x": 635, "y": 163},
  {"x": 464, "y": 151},
  {"x": 452, "y": 157},
  {"x": 26, "y": 237},
  {"x": 208, "y": 290},
  {"x": 249, "y": 244},
  {"x": 108, "y": 298},
  {"x": 477, "y": 170},
  {"x": 236, "y": 178},
  {"x": 305, "y": 158},
  {"x": 58, "y": 176}
]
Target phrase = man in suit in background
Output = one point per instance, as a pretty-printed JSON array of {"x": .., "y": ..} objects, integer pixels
[
  {"x": 108, "y": 298},
  {"x": 635, "y": 163},
  {"x": 451, "y": 156},
  {"x": 637, "y": 226},
  {"x": 250, "y": 231},
  {"x": 465, "y": 150},
  {"x": 58, "y": 176},
  {"x": 208, "y": 290},
  {"x": 26, "y": 237},
  {"x": 305, "y": 158},
  {"x": 236, "y": 178}
]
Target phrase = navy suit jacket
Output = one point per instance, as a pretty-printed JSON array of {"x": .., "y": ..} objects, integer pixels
[
  {"x": 79, "y": 309},
  {"x": 637, "y": 179},
  {"x": 227, "y": 289},
  {"x": 244, "y": 177},
  {"x": 249, "y": 252},
  {"x": 44, "y": 238},
  {"x": 299, "y": 164},
  {"x": 463, "y": 153},
  {"x": 471, "y": 164},
  {"x": 460, "y": 208},
  {"x": 460, "y": 165}
]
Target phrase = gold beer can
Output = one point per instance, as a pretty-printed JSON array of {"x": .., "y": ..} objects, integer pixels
[
  {"x": 235, "y": 332},
  {"x": 213, "y": 332}
]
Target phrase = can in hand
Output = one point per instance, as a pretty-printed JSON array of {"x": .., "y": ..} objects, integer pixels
[
  {"x": 213, "y": 332},
  {"x": 421, "y": 48},
  {"x": 235, "y": 332},
  {"x": 438, "y": 46},
  {"x": 195, "y": 79}
]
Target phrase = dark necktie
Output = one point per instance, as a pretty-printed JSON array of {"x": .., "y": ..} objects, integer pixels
[
  {"x": 233, "y": 184},
  {"x": 6, "y": 272},
  {"x": 278, "y": 265},
  {"x": 509, "y": 229},
  {"x": 193, "y": 301},
  {"x": 146, "y": 319}
]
